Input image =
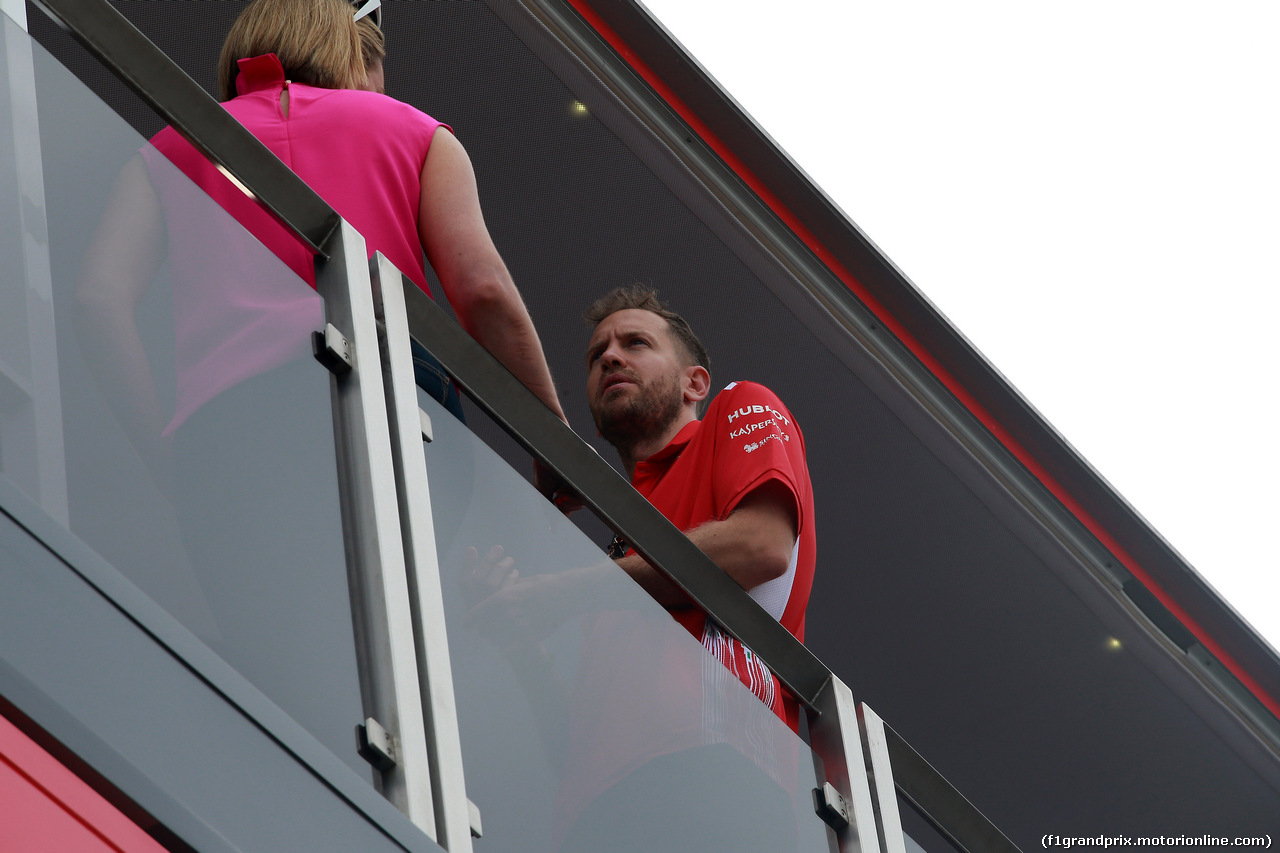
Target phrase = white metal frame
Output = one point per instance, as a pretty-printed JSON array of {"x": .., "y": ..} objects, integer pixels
[
  {"x": 836, "y": 738},
  {"x": 371, "y": 520},
  {"x": 435, "y": 674},
  {"x": 17, "y": 10},
  {"x": 888, "y": 820}
]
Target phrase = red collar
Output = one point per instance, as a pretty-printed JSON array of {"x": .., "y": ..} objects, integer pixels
[
  {"x": 673, "y": 449},
  {"x": 258, "y": 73}
]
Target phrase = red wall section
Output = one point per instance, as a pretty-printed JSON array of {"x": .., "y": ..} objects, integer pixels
[{"x": 45, "y": 808}]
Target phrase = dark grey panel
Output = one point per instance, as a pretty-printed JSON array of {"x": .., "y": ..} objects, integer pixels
[
  {"x": 654, "y": 46},
  {"x": 142, "y": 702},
  {"x": 947, "y": 810}
]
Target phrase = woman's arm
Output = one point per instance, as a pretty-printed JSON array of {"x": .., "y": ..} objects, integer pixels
[
  {"x": 120, "y": 263},
  {"x": 475, "y": 279}
]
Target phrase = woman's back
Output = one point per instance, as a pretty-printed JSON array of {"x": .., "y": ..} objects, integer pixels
[{"x": 363, "y": 153}]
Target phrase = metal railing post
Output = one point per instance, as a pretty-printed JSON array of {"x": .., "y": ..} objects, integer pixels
[
  {"x": 844, "y": 802},
  {"x": 15, "y": 9},
  {"x": 409, "y": 428},
  {"x": 371, "y": 522},
  {"x": 885, "y": 795}
]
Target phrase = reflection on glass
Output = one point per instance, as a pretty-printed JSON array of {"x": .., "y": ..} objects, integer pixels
[
  {"x": 590, "y": 719},
  {"x": 198, "y": 439}
]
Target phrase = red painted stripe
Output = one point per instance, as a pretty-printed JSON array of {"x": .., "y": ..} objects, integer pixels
[
  {"x": 61, "y": 804},
  {"x": 890, "y": 322},
  {"x": 46, "y": 777}
]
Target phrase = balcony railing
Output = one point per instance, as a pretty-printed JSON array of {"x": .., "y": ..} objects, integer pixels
[{"x": 388, "y": 531}]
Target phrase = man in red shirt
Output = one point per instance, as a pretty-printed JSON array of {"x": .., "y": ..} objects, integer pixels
[
  {"x": 736, "y": 482},
  {"x": 658, "y": 750}
]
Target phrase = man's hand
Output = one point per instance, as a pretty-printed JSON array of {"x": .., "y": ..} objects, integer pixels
[
  {"x": 752, "y": 546},
  {"x": 482, "y": 578},
  {"x": 513, "y": 613},
  {"x": 550, "y": 485},
  {"x": 512, "y": 610}
]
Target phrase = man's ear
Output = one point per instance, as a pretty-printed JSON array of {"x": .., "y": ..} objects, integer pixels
[{"x": 697, "y": 383}]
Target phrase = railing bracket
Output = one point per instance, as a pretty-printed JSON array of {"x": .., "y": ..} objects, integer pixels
[
  {"x": 831, "y": 806},
  {"x": 332, "y": 349},
  {"x": 375, "y": 745},
  {"x": 424, "y": 423}
]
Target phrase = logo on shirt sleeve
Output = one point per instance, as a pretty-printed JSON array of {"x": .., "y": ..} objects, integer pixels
[
  {"x": 762, "y": 428},
  {"x": 756, "y": 445},
  {"x": 748, "y": 411}
]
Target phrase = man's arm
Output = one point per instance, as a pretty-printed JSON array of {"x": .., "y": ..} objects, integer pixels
[
  {"x": 752, "y": 545},
  {"x": 475, "y": 280}
]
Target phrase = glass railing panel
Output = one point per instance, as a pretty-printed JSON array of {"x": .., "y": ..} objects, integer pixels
[
  {"x": 589, "y": 718},
  {"x": 197, "y": 427},
  {"x": 910, "y": 844},
  {"x": 919, "y": 835}
]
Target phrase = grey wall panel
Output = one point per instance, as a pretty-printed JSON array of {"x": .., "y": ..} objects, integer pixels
[{"x": 176, "y": 741}]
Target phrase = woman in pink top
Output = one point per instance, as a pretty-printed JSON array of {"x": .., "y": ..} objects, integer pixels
[
  {"x": 254, "y": 495},
  {"x": 292, "y": 71}
]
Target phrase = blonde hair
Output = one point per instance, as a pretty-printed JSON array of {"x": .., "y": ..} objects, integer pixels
[
  {"x": 317, "y": 41},
  {"x": 373, "y": 44}
]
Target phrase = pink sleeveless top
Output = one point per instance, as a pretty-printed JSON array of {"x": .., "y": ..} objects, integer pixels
[{"x": 234, "y": 317}]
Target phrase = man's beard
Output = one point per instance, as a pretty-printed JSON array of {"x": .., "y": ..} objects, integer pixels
[{"x": 647, "y": 413}]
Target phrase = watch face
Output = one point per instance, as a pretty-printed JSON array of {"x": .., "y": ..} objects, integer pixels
[{"x": 618, "y": 548}]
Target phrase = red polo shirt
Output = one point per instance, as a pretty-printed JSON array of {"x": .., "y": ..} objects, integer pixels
[
  {"x": 746, "y": 439},
  {"x": 641, "y": 691}
]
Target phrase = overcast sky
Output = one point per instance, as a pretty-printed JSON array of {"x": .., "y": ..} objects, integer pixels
[{"x": 1090, "y": 192}]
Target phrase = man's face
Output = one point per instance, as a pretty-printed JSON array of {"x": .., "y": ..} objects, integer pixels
[{"x": 635, "y": 372}]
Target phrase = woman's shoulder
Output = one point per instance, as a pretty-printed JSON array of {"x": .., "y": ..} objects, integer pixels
[{"x": 370, "y": 105}]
